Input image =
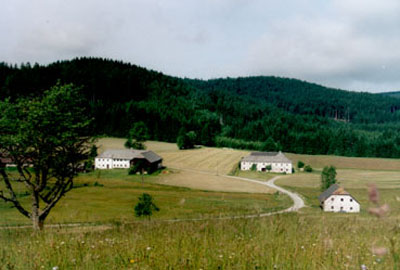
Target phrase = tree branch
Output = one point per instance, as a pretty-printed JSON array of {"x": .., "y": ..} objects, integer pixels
[
  {"x": 13, "y": 198},
  {"x": 64, "y": 188}
]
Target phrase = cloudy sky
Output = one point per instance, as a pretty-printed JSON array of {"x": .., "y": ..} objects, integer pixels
[{"x": 349, "y": 44}]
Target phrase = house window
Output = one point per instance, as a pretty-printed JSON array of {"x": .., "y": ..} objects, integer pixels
[
  {"x": 351, "y": 208},
  {"x": 332, "y": 199},
  {"x": 341, "y": 208},
  {"x": 351, "y": 200},
  {"x": 332, "y": 207},
  {"x": 341, "y": 199}
]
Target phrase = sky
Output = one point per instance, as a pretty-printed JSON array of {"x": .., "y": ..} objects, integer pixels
[{"x": 347, "y": 44}]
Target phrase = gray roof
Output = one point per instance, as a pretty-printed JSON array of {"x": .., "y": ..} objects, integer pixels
[
  {"x": 130, "y": 154},
  {"x": 151, "y": 156},
  {"x": 334, "y": 189},
  {"x": 267, "y": 157}
]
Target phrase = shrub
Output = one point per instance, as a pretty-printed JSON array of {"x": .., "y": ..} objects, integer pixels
[
  {"x": 97, "y": 184},
  {"x": 268, "y": 168},
  {"x": 145, "y": 206},
  {"x": 308, "y": 168},
  {"x": 300, "y": 164}
]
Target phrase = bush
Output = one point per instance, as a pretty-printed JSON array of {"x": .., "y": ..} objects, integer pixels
[
  {"x": 308, "y": 168},
  {"x": 268, "y": 168},
  {"x": 300, "y": 164},
  {"x": 253, "y": 167},
  {"x": 186, "y": 140},
  {"x": 97, "y": 184},
  {"x": 145, "y": 206}
]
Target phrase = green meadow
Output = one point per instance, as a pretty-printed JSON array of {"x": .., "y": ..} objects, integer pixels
[{"x": 188, "y": 233}]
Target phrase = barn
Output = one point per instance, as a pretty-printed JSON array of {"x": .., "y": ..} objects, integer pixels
[
  {"x": 336, "y": 199},
  {"x": 275, "y": 162},
  {"x": 125, "y": 158}
]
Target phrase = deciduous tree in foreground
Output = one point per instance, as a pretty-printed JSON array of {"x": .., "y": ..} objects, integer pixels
[{"x": 47, "y": 139}]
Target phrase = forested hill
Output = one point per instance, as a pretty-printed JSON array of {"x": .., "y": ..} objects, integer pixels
[
  {"x": 263, "y": 113},
  {"x": 391, "y": 94},
  {"x": 301, "y": 97}
]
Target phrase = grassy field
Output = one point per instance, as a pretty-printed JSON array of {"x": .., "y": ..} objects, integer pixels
[
  {"x": 310, "y": 239},
  {"x": 354, "y": 181},
  {"x": 319, "y": 161},
  {"x": 109, "y": 196},
  {"x": 284, "y": 242},
  {"x": 205, "y": 181}
]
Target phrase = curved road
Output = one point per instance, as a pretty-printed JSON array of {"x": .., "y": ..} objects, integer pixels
[{"x": 297, "y": 200}]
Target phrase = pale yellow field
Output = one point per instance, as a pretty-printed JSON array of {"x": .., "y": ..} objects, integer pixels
[
  {"x": 199, "y": 168},
  {"x": 320, "y": 161},
  {"x": 202, "y": 181},
  {"x": 208, "y": 160},
  {"x": 348, "y": 178}
]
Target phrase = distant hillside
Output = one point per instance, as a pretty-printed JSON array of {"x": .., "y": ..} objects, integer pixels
[
  {"x": 391, "y": 94},
  {"x": 263, "y": 113},
  {"x": 301, "y": 97}
]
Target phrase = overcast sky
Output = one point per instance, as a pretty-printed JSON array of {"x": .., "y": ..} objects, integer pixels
[{"x": 349, "y": 44}]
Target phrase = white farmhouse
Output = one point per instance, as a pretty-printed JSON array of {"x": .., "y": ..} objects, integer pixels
[
  {"x": 336, "y": 199},
  {"x": 125, "y": 158},
  {"x": 277, "y": 160}
]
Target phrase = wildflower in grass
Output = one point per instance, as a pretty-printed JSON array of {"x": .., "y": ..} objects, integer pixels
[
  {"x": 373, "y": 193},
  {"x": 132, "y": 261},
  {"x": 182, "y": 201},
  {"x": 55, "y": 268},
  {"x": 148, "y": 248},
  {"x": 379, "y": 211},
  {"x": 364, "y": 267},
  {"x": 380, "y": 251}
]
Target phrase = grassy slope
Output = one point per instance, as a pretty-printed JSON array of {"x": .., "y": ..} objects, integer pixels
[
  {"x": 311, "y": 240},
  {"x": 283, "y": 242},
  {"x": 115, "y": 200}
]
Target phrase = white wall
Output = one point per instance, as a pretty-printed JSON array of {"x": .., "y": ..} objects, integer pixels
[
  {"x": 109, "y": 163},
  {"x": 275, "y": 167},
  {"x": 341, "y": 203}
]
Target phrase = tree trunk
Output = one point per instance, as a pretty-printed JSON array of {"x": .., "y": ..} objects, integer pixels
[{"x": 37, "y": 222}]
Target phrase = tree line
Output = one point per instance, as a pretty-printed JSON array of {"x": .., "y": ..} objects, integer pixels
[{"x": 260, "y": 113}]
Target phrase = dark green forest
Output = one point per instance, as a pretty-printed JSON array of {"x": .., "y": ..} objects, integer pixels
[
  {"x": 391, "y": 94},
  {"x": 260, "y": 113}
]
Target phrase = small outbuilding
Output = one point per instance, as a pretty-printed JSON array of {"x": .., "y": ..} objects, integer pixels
[
  {"x": 336, "y": 199},
  {"x": 275, "y": 162},
  {"x": 125, "y": 158}
]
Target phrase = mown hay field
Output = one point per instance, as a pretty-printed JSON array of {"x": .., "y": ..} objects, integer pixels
[
  {"x": 224, "y": 160},
  {"x": 202, "y": 168}
]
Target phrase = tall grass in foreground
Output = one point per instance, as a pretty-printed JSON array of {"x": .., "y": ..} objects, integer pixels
[{"x": 288, "y": 241}]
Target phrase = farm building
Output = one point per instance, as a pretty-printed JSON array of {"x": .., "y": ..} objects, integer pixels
[
  {"x": 277, "y": 161},
  {"x": 336, "y": 199},
  {"x": 125, "y": 158}
]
